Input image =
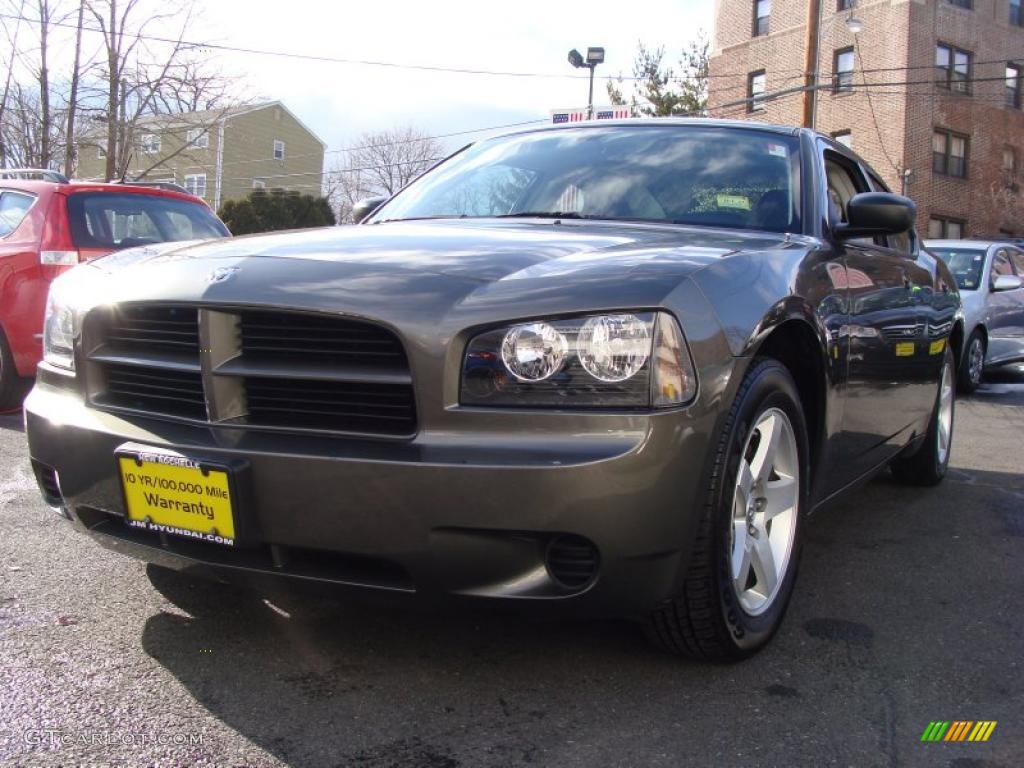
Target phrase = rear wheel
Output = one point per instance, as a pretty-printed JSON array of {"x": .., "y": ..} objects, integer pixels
[
  {"x": 929, "y": 464},
  {"x": 12, "y": 386},
  {"x": 972, "y": 366},
  {"x": 743, "y": 564}
]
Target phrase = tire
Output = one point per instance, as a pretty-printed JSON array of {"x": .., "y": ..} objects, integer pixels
[
  {"x": 12, "y": 386},
  {"x": 928, "y": 465},
  {"x": 712, "y": 619},
  {"x": 972, "y": 365}
]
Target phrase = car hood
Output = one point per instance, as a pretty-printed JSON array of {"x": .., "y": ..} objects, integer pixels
[{"x": 421, "y": 270}]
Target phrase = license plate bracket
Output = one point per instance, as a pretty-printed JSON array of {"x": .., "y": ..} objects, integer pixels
[{"x": 171, "y": 493}]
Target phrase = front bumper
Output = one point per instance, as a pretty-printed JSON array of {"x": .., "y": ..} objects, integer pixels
[{"x": 472, "y": 513}]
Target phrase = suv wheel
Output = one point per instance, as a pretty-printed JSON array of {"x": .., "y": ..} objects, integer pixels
[
  {"x": 744, "y": 560},
  {"x": 12, "y": 386}
]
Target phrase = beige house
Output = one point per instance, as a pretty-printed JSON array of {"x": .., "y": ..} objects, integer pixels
[{"x": 221, "y": 155}]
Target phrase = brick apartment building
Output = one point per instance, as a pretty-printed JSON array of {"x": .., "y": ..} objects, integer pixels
[{"x": 945, "y": 120}]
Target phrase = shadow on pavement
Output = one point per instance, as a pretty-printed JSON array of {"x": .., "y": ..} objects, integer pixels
[
  {"x": 12, "y": 421},
  {"x": 894, "y": 621}
]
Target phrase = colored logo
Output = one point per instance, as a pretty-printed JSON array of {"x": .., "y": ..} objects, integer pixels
[{"x": 958, "y": 730}]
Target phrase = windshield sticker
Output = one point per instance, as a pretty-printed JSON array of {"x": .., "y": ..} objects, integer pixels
[
  {"x": 777, "y": 150},
  {"x": 733, "y": 201}
]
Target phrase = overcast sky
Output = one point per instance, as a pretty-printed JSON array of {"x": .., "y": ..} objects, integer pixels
[{"x": 339, "y": 101}]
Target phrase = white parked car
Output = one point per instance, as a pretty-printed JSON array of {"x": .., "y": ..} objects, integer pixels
[{"x": 990, "y": 275}]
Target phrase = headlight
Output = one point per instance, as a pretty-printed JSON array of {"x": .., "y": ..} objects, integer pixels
[
  {"x": 622, "y": 360},
  {"x": 59, "y": 333}
]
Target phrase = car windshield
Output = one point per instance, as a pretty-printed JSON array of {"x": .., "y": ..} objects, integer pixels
[
  {"x": 115, "y": 220},
  {"x": 965, "y": 264},
  {"x": 707, "y": 176}
]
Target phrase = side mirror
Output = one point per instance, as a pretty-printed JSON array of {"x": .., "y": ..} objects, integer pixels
[
  {"x": 1007, "y": 283},
  {"x": 877, "y": 213},
  {"x": 365, "y": 207}
]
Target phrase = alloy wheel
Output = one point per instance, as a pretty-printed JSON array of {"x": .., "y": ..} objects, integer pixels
[
  {"x": 945, "y": 421},
  {"x": 975, "y": 361},
  {"x": 765, "y": 509}
]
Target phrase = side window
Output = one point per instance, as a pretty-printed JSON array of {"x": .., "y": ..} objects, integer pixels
[
  {"x": 903, "y": 242},
  {"x": 1001, "y": 265},
  {"x": 844, "y": 181},
  {"x": 13, "y": 208},
  {"x": 1018, "y": 261}
]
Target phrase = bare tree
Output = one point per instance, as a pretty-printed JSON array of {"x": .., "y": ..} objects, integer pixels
[
  {"x": 140, "y": 94},
  {"x": 76, "y": 73},
  {"x": 380, "y": 163}
]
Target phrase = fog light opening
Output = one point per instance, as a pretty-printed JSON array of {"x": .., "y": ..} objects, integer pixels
[{"x": 572, "y": 561}]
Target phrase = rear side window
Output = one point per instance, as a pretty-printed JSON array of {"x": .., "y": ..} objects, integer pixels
[
  {"x": 13, "y": 209},
  {"x": 116, "y": 220}
]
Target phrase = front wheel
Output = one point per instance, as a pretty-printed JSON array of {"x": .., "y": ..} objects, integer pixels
[
  {"x": 929, "y": 464},
  {"x": 743, "y": 563},
  {"x": 973, "y": 364}
]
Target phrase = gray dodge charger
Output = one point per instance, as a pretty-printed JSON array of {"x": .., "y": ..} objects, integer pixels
[{"x": 611, "y": 368}]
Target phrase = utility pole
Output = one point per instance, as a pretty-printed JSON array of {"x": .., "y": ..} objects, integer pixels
[{"x": 811, "y": 62}]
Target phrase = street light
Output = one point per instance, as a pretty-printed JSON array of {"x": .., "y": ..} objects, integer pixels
[{"x": 594, "y": 57}]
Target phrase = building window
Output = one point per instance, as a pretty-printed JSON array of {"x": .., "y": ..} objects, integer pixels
[
  {"x": 195, "y": 184},
  {"x": 843, "y": 68},
  {"x": 1016, "y": 15},
  {"x": 941, "y": 228},
  {"x": 101, "y": 153},
  {"x": 199, "y": 138},
  {"x": 259, "y": 183},
  {"x": 949, "y": 154},
  {"x": 755, "y": 91},
  {"x": 1013, "y": 86},
  {"x": 150, "y": 143},
  {"x": 961, "y": 3},
  {"x": 954, "y": 68},
  {"x": 278, "y": 149},
  {"x": 762, "y": 13},
  {"x": 845, "y": 5},
  {"x": 1009, "y": 165},
  {"x": 844, "y": 137}
]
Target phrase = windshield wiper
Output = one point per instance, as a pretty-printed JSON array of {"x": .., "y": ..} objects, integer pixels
[
  {"x": 423, "y": 218},
  {"x": 544, "y": 215}
]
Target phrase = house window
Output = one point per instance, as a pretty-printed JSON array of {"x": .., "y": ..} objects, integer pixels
[
  {"x": 101, "y": 153},
  {"x": 961, "y": 3},
  {"x": 199, "y": 138},
  {"x": 846, "y": 5},
  {"x": 949, "y": 154},
  {"x": 1013, "y": 86},
  {"x": 941, "y": 228},
  {"x": 1016, "y": 15},
  {"x": 843, "y": 68},
  {"x": 259, "y": 183},
  {"x": 195, "y": 184},
  {"x": 1009, "y": 162},
  {"x": 844, "y": 137},
  {"x": 755, "y": 91},
  {"x": 762, "y": 13},
  {"x": 150, "y": 143},
  {"x": 954, "y": 68},
  {"x": 278, "y": 149}
]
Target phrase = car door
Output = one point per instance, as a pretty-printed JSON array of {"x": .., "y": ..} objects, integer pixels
[
  {"x": 887, "y": 392},
  {"x": 1005, "y": 309}
]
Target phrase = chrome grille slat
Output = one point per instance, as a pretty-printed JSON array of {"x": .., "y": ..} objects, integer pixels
[{"x": 291, "y": 370}]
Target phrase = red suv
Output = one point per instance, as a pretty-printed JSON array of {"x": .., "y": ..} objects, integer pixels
[{"x": 48, "y": 224}]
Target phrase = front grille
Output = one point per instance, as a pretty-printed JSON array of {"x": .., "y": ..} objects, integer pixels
[
  {"x": 148, "y": 388},
  {"x": 154, "y": 329},
  {"x": 257, "y": 368},
  {"x": 337, "y": 406},
  {"x": 316, "y": 339}
]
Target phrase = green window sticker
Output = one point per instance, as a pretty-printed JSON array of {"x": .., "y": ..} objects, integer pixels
[{"x": 740, "y": 202}]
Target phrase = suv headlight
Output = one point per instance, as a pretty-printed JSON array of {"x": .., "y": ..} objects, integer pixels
[
  {"x": 59, "y": 329},
  {"x": 614, "y": 360}
]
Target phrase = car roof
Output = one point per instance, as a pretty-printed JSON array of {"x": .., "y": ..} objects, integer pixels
[
  {"x": 74, "y": 186},
  {"x": 632, "y": 122},
  {"x": 964, "y": 245}
]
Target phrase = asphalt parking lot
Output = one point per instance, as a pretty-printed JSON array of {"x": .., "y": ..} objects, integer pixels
[{"x": 908, "y": 609}]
